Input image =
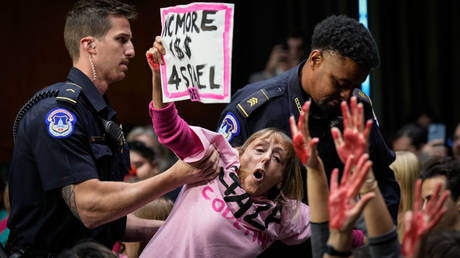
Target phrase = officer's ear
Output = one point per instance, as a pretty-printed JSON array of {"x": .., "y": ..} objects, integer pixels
[
  {"x": 88, "y": 44},
  {"x": 316, "y": 58}
]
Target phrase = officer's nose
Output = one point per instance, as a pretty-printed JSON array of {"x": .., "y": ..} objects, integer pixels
[{"x": 129, "y": 52}]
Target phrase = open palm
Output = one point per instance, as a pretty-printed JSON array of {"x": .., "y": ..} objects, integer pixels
[{"x": 354, "y": 138}]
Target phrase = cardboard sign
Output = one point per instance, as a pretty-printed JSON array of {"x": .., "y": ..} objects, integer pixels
[{"x": 198, "y": 41}]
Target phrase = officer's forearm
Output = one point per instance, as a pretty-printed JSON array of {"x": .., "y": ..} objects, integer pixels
[
  {"x": 156, "y": 91},
  {"x": 99, "y": 202},
  {"x": 138, "y": 229}
]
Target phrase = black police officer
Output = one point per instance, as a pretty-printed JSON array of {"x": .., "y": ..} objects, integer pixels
[{"x": 343, "y": 53}]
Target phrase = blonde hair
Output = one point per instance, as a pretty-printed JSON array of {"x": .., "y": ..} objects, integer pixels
[
  {"x": 407, "y": 169},
  {"x": 291, "y": 187},
  {"x": 157, "y": 209}
]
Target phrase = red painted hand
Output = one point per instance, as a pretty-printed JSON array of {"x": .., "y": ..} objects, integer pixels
[
  {"x": 155, "y": 54},
  {"x": 343, "y": 208},
  {"x": 418, "y": 222},
  {"x": 304, "y": 146},
  {"x": 354, "y": 140}
]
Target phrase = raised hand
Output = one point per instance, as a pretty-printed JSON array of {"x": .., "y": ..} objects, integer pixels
[
  {"x": 354, "y": 140},
  {"x": 304, "y": 146},
  {"x": 343, "y": 208},
  {"x": 155, "y": 54},
  {"x": 418, "y": 222}
]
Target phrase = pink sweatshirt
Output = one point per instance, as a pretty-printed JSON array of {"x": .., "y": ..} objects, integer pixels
[{"x": 218, "y": 218}]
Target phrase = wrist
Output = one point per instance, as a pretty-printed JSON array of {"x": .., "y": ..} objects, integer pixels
[
  {"x": 340, "y": 240},
  {"x": 332, "y": 252},
  {"x": 369, "y": 185}
]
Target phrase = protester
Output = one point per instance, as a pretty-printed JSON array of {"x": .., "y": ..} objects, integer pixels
[{"x": 255, "y": 200}]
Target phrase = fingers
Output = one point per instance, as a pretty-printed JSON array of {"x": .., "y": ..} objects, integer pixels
[
  {"x": 434, "y": 197},
  {"x": 158, "y": 44},
  {"x": 361, "y": 174},
  {"x": 301, "y": 124},
  {"x": 156, "y": 52},
  {"x": 214, "y": 173},
  {"x": 435, "y": 220},
  {"x": 313, "y": 143},
  {"x": 346, "y": 170},
  {"x": 334, "y": 181},
  {"x": 407, "y": 221},
  {"x": 354, "y": 113},
  {"x": 337, "y": 137},
  {"x": 209, "y": 163},
  {"x": 151, "y": 60},
  {"x": 306, "y": 112},
  {"x": 367, "y": 130},
  {"x": 346, "y": 115},
  {"x": 418, "y": 198},
  {"x": 360, "y": 117},
  {"x": 293, "y": 126},
  {"x": 313, "y": 160},
  {"x": 439, "y": 203}
]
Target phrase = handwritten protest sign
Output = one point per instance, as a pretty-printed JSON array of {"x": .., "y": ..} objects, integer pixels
[{"x": 198, "y": 42}]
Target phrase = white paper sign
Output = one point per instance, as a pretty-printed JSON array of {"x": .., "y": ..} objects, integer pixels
[{"x": 198, "y": 41}]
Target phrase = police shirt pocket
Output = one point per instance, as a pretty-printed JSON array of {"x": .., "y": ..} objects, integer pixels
[
  {"x": 100, "y": 150},
  {"x": 103, "y": 158}
]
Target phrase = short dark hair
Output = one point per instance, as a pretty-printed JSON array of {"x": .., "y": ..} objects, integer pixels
[
  {"x": 416, "y": 134},
  {"x": 90, "y": 18},
  {"x": 142, "y": 149},
  {"x": 87, "y": 249},
  {"x": 349, "y": 38},
  {"x": 447, "y": 167}
]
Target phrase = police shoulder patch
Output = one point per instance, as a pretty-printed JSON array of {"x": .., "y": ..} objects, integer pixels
[
  {"x": 230, "y": 126},
  {"x": 60, "y": 122}
]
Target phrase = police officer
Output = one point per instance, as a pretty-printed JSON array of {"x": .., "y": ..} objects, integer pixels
[
  {"x": 343, "y": 53},
  {"x": 70, "y": 153}
]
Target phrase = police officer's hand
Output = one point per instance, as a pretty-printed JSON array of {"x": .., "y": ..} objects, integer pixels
[
  {"x": 355, "y": 136},
  {"x": 155, "y": 54},
  {"x": 205, "y": 169},
  {"x": 304, "y": 145}
]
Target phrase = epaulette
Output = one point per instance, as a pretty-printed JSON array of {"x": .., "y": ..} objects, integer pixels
[
  {"x": 69, "y": 93},
  {"x": 362, "y": 96},
  {"x": 257, "y": 99}
]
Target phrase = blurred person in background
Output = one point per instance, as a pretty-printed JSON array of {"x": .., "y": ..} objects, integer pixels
[
  {"x": 164, "y": 157},
  {"x": 407, "y": 169},
  {"x": 282, "y": 58}
]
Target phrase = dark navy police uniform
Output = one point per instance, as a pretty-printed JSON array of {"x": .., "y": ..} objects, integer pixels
[
  {"x": 61, "y": 140},
  {"x": 270, "y": 103}
]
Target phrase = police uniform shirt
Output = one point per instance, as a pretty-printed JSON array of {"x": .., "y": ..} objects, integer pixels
[
  {"x": 270, "y": 103},
  {"x": 60, "y": 141}
]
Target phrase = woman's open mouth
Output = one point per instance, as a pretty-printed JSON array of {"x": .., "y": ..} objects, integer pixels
[{"x": 259, "y": 174}]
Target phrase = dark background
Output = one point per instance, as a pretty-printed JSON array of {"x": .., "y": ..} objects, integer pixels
[{"x": 419, "y": 43}]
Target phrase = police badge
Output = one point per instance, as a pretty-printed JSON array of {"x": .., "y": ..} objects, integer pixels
[{"x": 60, "y": 122}]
